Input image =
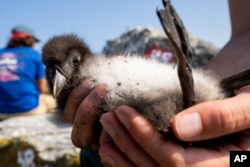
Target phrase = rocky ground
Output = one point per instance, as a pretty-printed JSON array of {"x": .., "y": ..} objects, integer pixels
[{"x": 36, "y": 141}]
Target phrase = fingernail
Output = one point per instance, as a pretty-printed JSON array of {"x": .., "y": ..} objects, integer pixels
[
  {"x": 189, "y": 125},
  {"x": 85, "y": 86},
  {"x": 108, "y": 160},
  {"x": 242, "y": 90}
]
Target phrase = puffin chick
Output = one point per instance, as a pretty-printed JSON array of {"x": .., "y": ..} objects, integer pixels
[{"x": 152, "y": 88}]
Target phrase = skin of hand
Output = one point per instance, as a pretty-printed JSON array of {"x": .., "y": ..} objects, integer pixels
[
  {"x": 81, "y": 111},
  {"x": 128, "y": 139}
]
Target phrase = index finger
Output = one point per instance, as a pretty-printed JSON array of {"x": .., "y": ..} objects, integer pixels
[{"x": 75, "y": 98}]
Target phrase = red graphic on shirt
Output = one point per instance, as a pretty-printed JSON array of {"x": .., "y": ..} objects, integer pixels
[{"x": 161, "y": 55}]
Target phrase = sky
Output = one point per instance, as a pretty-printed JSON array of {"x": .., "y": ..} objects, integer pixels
[{"x": 98, "y": 21}]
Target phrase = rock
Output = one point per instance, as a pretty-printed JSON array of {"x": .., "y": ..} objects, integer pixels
[
  {"x": 136, "y": 41},
  {"x": 36, "y": 141},
  {"x": 203, "y": 51},
  {"x": 152, "y": 42}
]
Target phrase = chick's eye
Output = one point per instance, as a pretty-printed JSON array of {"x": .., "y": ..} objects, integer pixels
[{"x": 75, "y": 60}]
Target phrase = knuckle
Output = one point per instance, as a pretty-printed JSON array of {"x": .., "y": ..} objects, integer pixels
[{"x": 228, "y": 119}]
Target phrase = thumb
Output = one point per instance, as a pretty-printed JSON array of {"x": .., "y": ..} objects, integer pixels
[{"x": 215, "y": 118}]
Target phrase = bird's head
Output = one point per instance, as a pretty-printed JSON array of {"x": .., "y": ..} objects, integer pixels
[{"x": 62, "y": 56}]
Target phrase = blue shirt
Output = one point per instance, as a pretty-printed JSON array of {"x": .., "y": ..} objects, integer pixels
[{"x": 19, "y": 69}]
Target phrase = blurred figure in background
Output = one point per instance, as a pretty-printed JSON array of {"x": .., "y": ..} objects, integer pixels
[{"x": 22, "y": 78}]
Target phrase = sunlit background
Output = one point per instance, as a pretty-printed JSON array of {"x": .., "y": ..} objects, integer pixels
[{"x": 98, "y": 21}]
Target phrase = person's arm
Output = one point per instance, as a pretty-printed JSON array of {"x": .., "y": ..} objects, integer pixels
[
  {"x": 40, "y": 75},
  {"x": 234, "y": 56},
  {"x": 42, "y": 85},
  {"x": 239, "y": 14}
]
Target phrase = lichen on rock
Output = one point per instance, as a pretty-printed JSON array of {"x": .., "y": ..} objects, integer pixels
[{"x": 35, "y": 141}]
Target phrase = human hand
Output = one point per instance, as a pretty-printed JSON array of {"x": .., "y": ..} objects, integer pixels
[
  {"x": 129, "y": 139},
  {"x": 81, "y": 110}
]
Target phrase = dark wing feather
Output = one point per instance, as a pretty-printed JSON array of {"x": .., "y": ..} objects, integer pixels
[
  {"x": 236, "y": 81},
  {"x": 178, "y": 37}
]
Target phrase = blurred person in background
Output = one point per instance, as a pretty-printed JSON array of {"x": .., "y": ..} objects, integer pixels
[{"x": 22, "y": 77}]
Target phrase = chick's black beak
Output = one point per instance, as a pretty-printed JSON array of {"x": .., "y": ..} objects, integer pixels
[{"x": 59, "y": 82}]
